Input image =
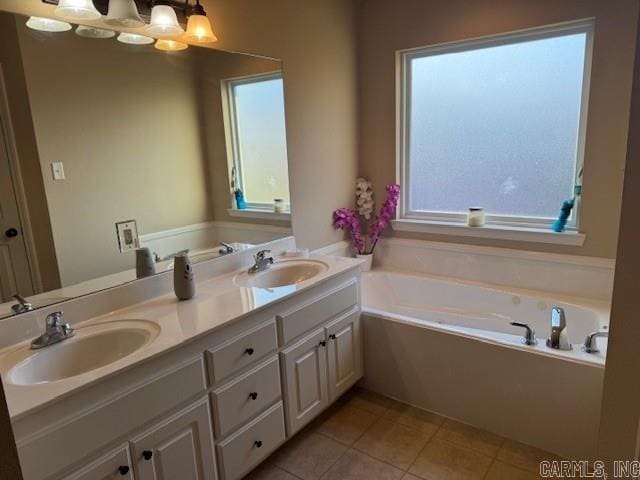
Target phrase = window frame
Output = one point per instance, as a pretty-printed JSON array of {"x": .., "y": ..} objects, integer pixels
[
  {"x": 233, "y": 136},
  {"x": 403, "y": 113}
]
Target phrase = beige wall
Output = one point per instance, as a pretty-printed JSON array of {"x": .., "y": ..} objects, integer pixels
[
  {"x": 126, "y": 126},
  {"x": 214, "y": 67},
  {"x": 386, "y": 26},
  {"x": 27, "y": 150}
]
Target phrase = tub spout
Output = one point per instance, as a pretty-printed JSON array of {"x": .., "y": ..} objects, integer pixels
[{"x": 559, "y": 338}]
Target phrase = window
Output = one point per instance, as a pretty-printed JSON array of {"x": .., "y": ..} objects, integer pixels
[
  {"x": 496, "y": 123},
  {"x": 258, "y": 140}
]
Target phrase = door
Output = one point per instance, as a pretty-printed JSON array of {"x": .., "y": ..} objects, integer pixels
[
  {"x": 180, "y": 447},
  {"x": 15, "y": 276},
  {"x": 114, "y": 465},
  {"x": 305, "y": 377},
  {"x": 344, "y": 348}
]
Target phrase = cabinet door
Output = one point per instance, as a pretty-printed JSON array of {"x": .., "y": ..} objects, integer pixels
[
  {"x": 344, "y": 348},
  {"x": 180, "y": 447},
  {"x": 114, "y": 465},
  {"x": 305, "y": 377}
]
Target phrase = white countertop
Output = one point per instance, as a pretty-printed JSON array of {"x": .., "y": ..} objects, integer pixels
[{"x": 218, "y": 302}]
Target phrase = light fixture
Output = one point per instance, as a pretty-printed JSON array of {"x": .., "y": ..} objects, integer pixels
[
  {"x": 47, "y": 25},
  {"x": 123, "y": 13},
  {"x": 164, "y": 22},
  {"x": 77, "y": 10},
  {"x": 170, "y": 45},
  {"x": 134, "y": 39},
  {"x": 199, "y": 27},
  {"x": 94, "y": 32}
]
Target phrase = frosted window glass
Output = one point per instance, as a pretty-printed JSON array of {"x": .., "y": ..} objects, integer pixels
[
  {"x": 496, "y": 127},
  {"x": 261, "y": 139}
]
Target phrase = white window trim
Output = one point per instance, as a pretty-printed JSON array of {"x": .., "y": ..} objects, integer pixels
[
  {"x": 454, "y": 223},
  {"x": 264, "y": 210}
]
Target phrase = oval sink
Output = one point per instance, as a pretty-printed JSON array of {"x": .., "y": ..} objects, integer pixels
[
  {"x": 281, "y": 274},
  {"x": 92, "y": 347}
]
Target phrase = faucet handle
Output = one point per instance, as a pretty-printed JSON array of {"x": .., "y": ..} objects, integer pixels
[
  {"x": 261, "y": 255},
  {"x": 54, "y": 319},
  {"x": 529, "y": 334}
]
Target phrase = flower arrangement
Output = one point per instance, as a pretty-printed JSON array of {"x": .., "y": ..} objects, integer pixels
[
  {"x": 364, "y": 197},
  {"x": 347, "y": 220}
]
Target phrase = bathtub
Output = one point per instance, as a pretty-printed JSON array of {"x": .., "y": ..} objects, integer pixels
[{"x": 447, "y": 346}]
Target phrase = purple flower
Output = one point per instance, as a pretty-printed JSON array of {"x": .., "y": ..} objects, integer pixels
[
  {"x": 347, "y": 220},
  {"x": 387, "y": 212}
]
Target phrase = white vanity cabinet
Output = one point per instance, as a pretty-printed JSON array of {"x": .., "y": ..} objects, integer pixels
[{"x": 212, "y": 408}]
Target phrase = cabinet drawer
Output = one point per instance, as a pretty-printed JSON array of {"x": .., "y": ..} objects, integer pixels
[
  {"x": 241, "y": 351},
  {"x": 302, "y": 319},
  {"x": 249, "y": 446},
  {"x": 115, "y": 464},
  {"x": 238, "y": 401}
]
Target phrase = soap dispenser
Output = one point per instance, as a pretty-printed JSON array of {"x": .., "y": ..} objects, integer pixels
[{"x": 183, "y": 281}]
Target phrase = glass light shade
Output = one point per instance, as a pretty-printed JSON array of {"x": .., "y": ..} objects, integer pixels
[
  {"x": 94, "y": 32},
  {"x": 77, "y": 10},
  {"x": 134, "y": 39},
  {"x": 170, "y": 45},
  {"x": 123, "y": 13},
  {"x": 47, "y": 25},
  {"x": 199, "y": 29},
  {"x": 164, "y": 22}
]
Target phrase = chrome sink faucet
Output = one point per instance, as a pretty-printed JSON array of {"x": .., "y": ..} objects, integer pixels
[
  {"x": 55, "y": 331},
  {"x": 22, "y": 305},
  {"x": 559, "y": 338},
  {"x": 590, "y": 342},
  {"x": 262, "y": 262}
]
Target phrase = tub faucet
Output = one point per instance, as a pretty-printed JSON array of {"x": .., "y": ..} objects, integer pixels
[
  {"x": 558, "y": 339},
  {"x": 529, "y": 333},
  {"x": 226, "y": 249},
  {"x": 590, "y": 342},
  {"x": 55, "y": 330},
  {"x": 22, "y": 305}
]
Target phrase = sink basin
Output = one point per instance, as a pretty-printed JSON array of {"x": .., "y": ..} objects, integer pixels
[
  {"x": 282, "y": 273},
  {"x": 92, "y": 347}
]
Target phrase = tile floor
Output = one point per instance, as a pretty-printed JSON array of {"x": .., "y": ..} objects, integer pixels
[{"x": 365, "y": 436}]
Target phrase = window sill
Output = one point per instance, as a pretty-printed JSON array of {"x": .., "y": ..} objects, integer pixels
[
  {"x": 258, "y": 213},
  {"x": 498, "y": 232}
]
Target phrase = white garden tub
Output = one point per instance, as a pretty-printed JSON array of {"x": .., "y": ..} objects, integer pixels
[{"x": 447, "y": 346}]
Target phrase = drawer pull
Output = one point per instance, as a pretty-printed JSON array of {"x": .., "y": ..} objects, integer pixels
[
  {"x": 123, "y": 470},
  {"x": 147, "y": 454},
  {"x": 253, "y": 395},
  {"x": 332, "y": 336},
  {"x": 323, "y": 343},
  {"x": 249, "y": 351},
  {"x": 257, "y": 443}
]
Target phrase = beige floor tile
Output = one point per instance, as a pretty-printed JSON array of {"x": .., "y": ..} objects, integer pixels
[
  {"x": 414, "y": 417},
  {"x": 502, "y": 471},
  {"x": 370, "y": 401},
  {"x": 357, "y": 466},
  {"x": 393, "y": 443},
  {"x": 346, "y": 424},
  {"x": 470, "y": 437},
  {"x": 524, "y": 456},
  {"x": 445, "y": 461},
  {"x": 308, "y": 455},
  {"x": 266, "y": 471}
]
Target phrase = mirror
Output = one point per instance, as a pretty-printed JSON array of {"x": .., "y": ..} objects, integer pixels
[{"x": 108, "y": 147}]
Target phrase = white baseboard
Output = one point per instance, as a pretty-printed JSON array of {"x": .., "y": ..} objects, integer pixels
[{"x": 339, "y": 249}]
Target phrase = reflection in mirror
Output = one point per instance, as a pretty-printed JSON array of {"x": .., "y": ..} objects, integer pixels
[{"x": 108, "y": 148}]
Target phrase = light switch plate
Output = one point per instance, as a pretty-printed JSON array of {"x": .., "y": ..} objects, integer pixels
[
  {"x": 57, "y": 170},
  {"x": 127, "y": 235}
]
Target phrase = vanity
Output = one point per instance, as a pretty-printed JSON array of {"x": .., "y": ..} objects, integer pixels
[{"x": 205, "y": 388}]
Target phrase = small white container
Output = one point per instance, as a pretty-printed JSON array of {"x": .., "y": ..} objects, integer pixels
[
  {"x": 368, "y": 261},
  {"x": 278, "y": 205},
  {"x": 475, "y": 217}
]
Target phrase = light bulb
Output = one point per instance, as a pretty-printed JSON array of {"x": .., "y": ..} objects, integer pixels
[
  {"x": 123, "y": 13},
  {"x": 77, "y": 10},
  {"x": 134, "y": 39},
  {"x": 199, "y": 29},
  {"x": 94, "y": 32},
  {"x": 170, "y": 45},
  {"x": 164, "y": 22},
  {"x": 47, "y": 25}
]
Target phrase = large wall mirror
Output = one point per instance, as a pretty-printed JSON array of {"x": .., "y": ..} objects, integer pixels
[{"x": 108, "y": 147}]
